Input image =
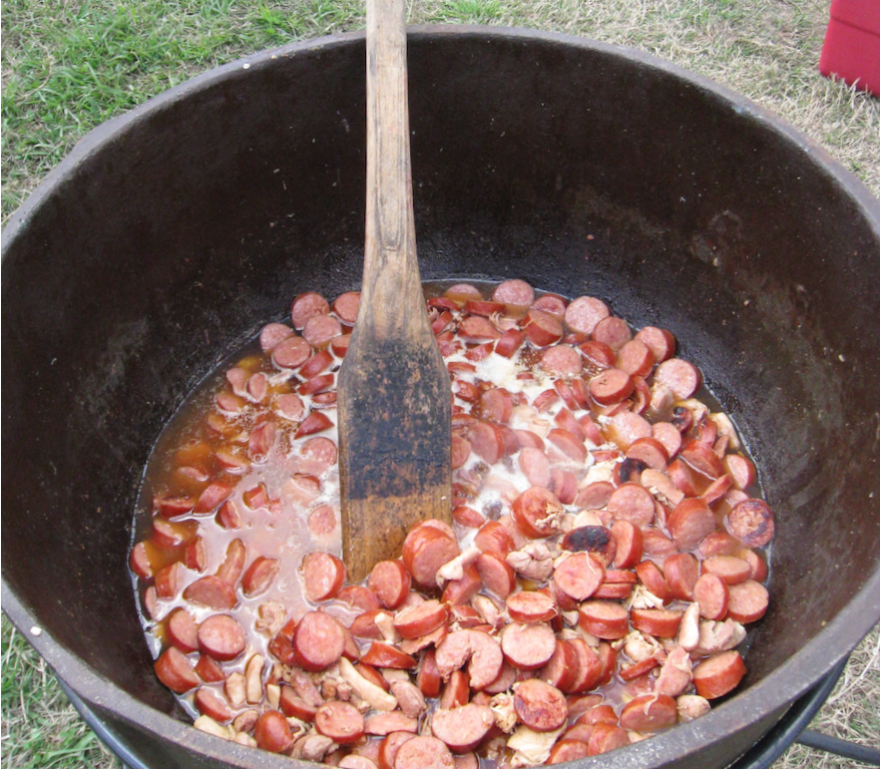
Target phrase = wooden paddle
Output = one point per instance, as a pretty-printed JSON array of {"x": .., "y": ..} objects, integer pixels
[{"x": 394, "y": 391}]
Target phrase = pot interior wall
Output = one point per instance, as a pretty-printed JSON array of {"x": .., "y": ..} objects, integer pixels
[{"x": 579, "y": 170}]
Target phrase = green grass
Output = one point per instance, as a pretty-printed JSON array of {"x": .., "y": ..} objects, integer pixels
[{"x": 68, "y": 66}]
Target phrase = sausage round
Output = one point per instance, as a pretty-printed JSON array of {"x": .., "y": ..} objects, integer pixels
[
  {"x": 539, "y": 706},
  {"x": 747, "y": 601},
  {"x": 390, "y": 583},
  {"x": 537, "y": 512},
  {"x": 415, "y": 621},
  {"x": 221, "y": 637},
  {"x": 272, "y": 732},
  {"x": 649, "y": 712},
  {"x": 462, "y": 728},
  {"x": 751, "y": 522},
  {"x": 719, "y": 674},
  {"x": 528, "y": 646},
  {"x": 323, "y": 576},
  {"x": 175, "y": 671},
  {"x": 318, "y": 641},
  {"x": 425, "y": 550},
  {"x": 611, "y": 386},
  {"x": 424, "y": 753},
  {"x": 604, "y": 619},
  {"x": 340, "y": 721},
  {"x": 584, "y": 313},
  {"x": 515, "y": 292},
  {"x": 579, "y": 575}
]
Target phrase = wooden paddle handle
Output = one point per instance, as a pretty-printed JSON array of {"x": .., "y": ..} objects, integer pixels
[{"x": 391, "y": 270}]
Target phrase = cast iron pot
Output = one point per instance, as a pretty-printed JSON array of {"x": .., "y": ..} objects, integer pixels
[{"x": 172, "y": 234}]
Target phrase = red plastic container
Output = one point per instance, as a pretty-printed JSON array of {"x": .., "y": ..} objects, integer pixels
[{"x": 852, "y": 44}]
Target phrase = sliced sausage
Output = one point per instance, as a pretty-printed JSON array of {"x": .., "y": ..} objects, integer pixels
[
  {"x": 383, "y": 724},
  {"x": 340, "y": 721},
  {"x": 584, "y": 313},
  {"x": 682, "y": 571},
  {"x": 611, "y": 386},
  {"x": 540, "y": 706},
  {"x": 425, "y": 550},
  {"x": 635, "y": 358},
  {"x": 562, "y": 360},
  {"x": 729, "y": 568},
  {"x": 660, "y": 341},
  {"x": 459, "y": 591},
  {"x": 702, "y": 458},
  {"x": 542, "y": 328},
  {"x": 463, "y": 728},
  {"x": 515, "y": 292},
  {"x": 416, "y": 621},
  {"x": 493, "y": 537},
  {"x": 535, "y": 466},
  {"x": 383, "y": 655},
  {"x": 683, "y": 378},
  {"x": 306, "y": 306},
  {"x": 561, "y": 670},
  {"x": 346, "y": 306},
  {"x": 259, "y": 576},
  {"x": 528, "y": 646},
  {"x": 496, "y": 574},
  {"x": 291, "y": 352},
  {"x": 390, "y": 582},
  {"x": 649, "y": 713},
  {"x": 389, "y": 747},
  {"x": 751, "y": 522},
  {"x": 632, "y": 502},
  {"x": 272, "y": 334},
  {"x": 579, "y": 575},
  {"x": 568, "y": 750},
  {"x": 315, "y": 422},
  {"x": 221, "y": 637},
  {"x": 663, "y": 623},
  {"x": 212, "y": 592},
  {"x": 651, "y": 577},
  {"x": 747, "y": 601},
  {"x": 592, "y": 539},
  {"x": 604, "y": 619},
  {"x": 182, "y": 630},
  {"x": 323, "y": 576},
  {"x": 712, "y": 594},
  {"x": 175, "y": 671},
  {"x": 510, "y": 341},
  {"x": 208, "y": 703},
  {"x": 719, "y": 674},
  {"x": 589, "y": 666},
  {"x": 318, "y": 641},
  {"x": 532, "y": 606},
  {"x": 424, "y": 753},
  {"x": 272, "y": 732},
  {"x": 537, "y": 512},
  {"x": 613, "y": 331},
  {"x": 628, "y": 540},
  {"x": 605, "y": 738},
  {"x": 690, "y": 523}
]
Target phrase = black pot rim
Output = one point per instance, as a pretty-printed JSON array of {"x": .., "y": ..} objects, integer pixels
[{"x": 801, "y": 672}]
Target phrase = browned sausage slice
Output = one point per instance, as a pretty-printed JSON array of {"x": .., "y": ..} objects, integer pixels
[
  {"x": 632, "y": 502},
  {"x": 208, "y": 703},
  {"x": 221, "y": 637},
  {"x": 323, "y": 576},
  {"x": 416, "y": 621},
  {"x": 424, "y": 753},
  {"x": 712, "y": 594},
  {"x": 532, "y": 606},
  {"x": 751, "y": 522},
  {"x": 528, "y": 646},
  {"x": 272, "y": 732},
  {"x": 496, "y": 575},
  {"x": 175, "y": 671},
  {"x": 579, "y": 575},
  {"x": 611, "y": 386},
  {"x": 690, "y": 523},
  {"x": 390, "y": 582},
  {"x": 589, "y": 666},
  {"x": 340, "y": 721},
  {"x": 628, "y": 539},
  {"x": 683, "y": 378},
  {"x": 463, "y": 728},
  {"x": 537, "y": 512},
  {"x": 649, "y": 712},
  {"x": 259, "y": 576},
  {"x": 182, "y": 631},
  {"x": 562, "y": 669},
  {"x": 539, "y": 705},
  {"x": 747, "y": 601},
  {"x": 567, "y": 750},
  {"x": 494, "y": 538},
  {"x": 212, "y": 592},
  {"x": 719, "y": 675},
  {"x": 425, "y": 549},
  {"x": 584, "y": 313},
  {"x": 660, "y": 341},
  {"x": 383, "y": 655},
  {"x": 663, "y": 623},
  {"x": 604, "y": 619},
  {"x": 383, "y": 724},
  {"x": 682, "y": 571},
  {"x": 613, "y": 331},
  {"x": 318, "y": 641},
  {"x": 389, "y": 747}
]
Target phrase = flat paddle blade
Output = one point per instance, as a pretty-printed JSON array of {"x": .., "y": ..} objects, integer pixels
[{"x": 395, "y": 447}]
